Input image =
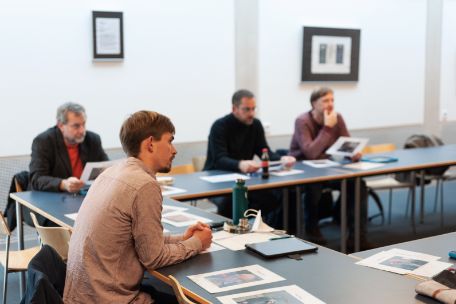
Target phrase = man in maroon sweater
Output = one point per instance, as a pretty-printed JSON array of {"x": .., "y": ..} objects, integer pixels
[{"x": 316, "y": 131}]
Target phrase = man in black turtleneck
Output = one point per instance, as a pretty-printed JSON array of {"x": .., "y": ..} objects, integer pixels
[{"x": 233, "y": 141}]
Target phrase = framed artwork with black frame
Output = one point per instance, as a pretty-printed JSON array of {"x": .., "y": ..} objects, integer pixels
[
  {"x": 330, "y": 54},
  {"x": 107, "y": 36}
]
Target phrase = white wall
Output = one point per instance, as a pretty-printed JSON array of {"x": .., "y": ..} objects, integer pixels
[
  {"x": 179, "y": 60},
  {"x": 390, "y": 90},
  {"x": 448, "y": 62}
]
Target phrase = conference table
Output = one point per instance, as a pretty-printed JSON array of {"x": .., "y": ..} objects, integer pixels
[
  {"x": 414, "y": 160},
  {"x": 58, "y": 206},
  {"x": 328, "y": 275}
]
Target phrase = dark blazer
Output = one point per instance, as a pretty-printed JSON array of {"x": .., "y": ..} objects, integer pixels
[{"x": 50, "y": 161}]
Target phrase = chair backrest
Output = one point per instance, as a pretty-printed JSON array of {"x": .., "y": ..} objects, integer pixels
[
  {"x": 380, "y": 148},
  {"x": 56, "y": 237},
  {"x": 181, "y": 297},
  {"x": 198, "y": 162},
  {"x": 18, "y": 186}
]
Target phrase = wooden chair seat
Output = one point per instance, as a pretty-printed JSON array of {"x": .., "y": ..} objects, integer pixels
[{"x": 19, "y": 260}]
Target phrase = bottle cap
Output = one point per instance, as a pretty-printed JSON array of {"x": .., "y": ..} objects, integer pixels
[{"x": 240, "y": 181}]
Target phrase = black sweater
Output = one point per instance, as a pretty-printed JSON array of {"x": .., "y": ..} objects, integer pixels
[{"x": 231, "y": 141}]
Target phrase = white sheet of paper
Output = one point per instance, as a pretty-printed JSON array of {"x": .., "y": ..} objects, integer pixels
[
  {"x": 93, "y": 169},
  {"x": 168, "y": 209},
  {"x": 168, "y": 190},
  {"x": 286, "y": 172},
  {"x": 363, "y": 165},
  {"x": 320, "y": 163},
  {"x": 231, "y": 177},
  {"x": 431, "y": 269},
  {"x": 235, "y": 278},
  {"x": 238, "y": 241},
  {"x": 214, "y": 247},
  {"x": 398, "y": 261},
  {"x": 72, "y": 216},
  {"x": 284, "y": 294},
  {"x": 165, "y": 180},
  {"x": 182, "y": 219}
]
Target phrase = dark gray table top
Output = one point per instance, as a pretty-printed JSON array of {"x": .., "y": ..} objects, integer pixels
[
  {"x": 408, "y": 159},
  {"x": 329, "y": 275},
  {"x": 55, "y": 205},
  {"x": 438, "y": 245}
]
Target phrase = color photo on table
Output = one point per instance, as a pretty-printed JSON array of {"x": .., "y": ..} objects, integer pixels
[
  {"x": 404, "y": 263},
  {"x": 280, "y": 295},
  {"x": 235, "y": 278}
]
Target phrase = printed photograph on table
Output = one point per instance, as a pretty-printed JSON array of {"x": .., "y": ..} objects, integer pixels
[
  {"x": 235, "y": 278},
  {"x": 404, "y": 263},
  {"x": 291, "y": 294},
  {"x": 330, "y": 54}
]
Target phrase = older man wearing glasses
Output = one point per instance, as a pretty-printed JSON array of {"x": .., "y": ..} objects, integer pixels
[
  {"x": 233, "y": 141},
  {"x": 60, "y": 153}
]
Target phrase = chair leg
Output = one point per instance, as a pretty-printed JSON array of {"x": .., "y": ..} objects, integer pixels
[{"x": 5, "y": 270}]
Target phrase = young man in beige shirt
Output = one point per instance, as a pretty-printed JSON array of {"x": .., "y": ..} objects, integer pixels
[{"x": 118, "y": 232}]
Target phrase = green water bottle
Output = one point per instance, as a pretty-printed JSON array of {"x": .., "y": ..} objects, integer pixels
[{"x": 240, "y": 202}]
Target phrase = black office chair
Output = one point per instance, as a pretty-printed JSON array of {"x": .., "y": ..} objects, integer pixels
[{"x": 45, "y": 278}]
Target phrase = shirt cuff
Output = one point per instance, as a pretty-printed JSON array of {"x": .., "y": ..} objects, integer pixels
[{"x": 193, "y": 244}]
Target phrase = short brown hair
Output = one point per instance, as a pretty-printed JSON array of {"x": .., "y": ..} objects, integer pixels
[
  {"x": 318, "y": 93},
  {"x": 141, "y": 125}
]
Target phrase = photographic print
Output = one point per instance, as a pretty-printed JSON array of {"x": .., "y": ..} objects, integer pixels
[
  {"x": 404, "y": 263},
  {"x": 330, "y": 54},
  {"x": 235, "y": 278},
  {"x": 347, "y": 146},
  {"x": 291, "y": 294}
]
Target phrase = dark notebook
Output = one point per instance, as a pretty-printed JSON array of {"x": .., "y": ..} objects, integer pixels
[{"x": 281, "y": 247}]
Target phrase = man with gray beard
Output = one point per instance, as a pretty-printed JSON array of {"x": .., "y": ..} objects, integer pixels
[{"x": 60, "y": 153}]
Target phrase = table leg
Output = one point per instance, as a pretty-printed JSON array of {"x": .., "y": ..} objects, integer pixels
[
  {"x": 343, "y": 216},
  {"x": 298, "y": 211},
  {"x": 422, "y": 197},
  {"x": 285, "y": 208},
  {"x": 20, "y": 246},
  {"x": 357, "y": 211},
  {"x": 412, "y": 203}
]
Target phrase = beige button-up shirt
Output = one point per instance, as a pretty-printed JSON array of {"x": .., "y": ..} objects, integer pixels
[{"x": 118, "y": 235}]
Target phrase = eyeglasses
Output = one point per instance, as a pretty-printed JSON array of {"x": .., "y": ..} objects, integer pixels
[
  {"x": 247, "y": 109},
  {"x": 76, "y": 126}
]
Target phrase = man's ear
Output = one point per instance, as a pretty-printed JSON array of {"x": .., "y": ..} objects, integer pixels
[{"x": 150, "y": 144}]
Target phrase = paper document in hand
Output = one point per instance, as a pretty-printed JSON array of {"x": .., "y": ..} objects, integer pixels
[
  {"x": 238, "y": 241},
  {"x": 284, "y": 294},
  {"x": 363, "y": 165},
  {"x": 404, "y": 262},
  {"x": 235, "y": 278},
  {"x": 231, "y": 177},
  {"x": 182, "y": 219},
  {"x": 168, "y": 190},
  {"x": 93, "y": 169},
  {"x": 320, "y": 163},
  {"x": 72, "y": 216},
  {"x": 347, "y": 146}
]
